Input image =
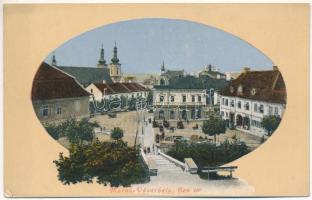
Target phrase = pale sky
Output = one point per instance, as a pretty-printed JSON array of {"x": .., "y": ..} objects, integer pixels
[{"x": 143, "y": 44}]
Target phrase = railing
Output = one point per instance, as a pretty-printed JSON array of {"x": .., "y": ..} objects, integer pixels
[{"x": 173, "y": 160}]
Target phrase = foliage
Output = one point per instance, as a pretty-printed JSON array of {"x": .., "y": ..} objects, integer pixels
[
  {"x": 209, "y": 154},
  {"x": 117, "y": 133},
  {"x": 270, "y": 123},
  {"x": 108, "y": 162},
  {"x": 74, "y": 131},
  {"x": 214, "y": 126},
  {"x": 53, "y": 131}
]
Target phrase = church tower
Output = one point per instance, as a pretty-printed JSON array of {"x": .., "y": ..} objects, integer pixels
[
  {"x": 115, "y": 67},
  {"x": 102, "y": 61},
  {"x": 53, "y": 63},
  {"x": 162, "y": 69}
]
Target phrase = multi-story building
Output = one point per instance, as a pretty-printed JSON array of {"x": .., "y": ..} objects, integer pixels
[
  {"x": 172, "y": 103},
  {"x": 253, "y": 95},
  {"x": 57, "y": 96},
  {"x": 184, "y": 97}
]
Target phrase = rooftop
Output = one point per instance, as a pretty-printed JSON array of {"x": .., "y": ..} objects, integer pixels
[{"x": 52, "y": 83}]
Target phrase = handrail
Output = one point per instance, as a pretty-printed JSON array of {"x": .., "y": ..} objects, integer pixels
[{"x": 175, "y": 161}]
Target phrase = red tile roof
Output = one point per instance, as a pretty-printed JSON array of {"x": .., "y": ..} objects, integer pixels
[
  {"x": 104, "y": 86},
  {"x": 116, "y": 88},
  {"x": 51, "y": 83},
  {"x": 268, "y": 86}
]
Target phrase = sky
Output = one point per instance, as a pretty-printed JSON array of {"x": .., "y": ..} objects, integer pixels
[{"x": 144, "y": 44}]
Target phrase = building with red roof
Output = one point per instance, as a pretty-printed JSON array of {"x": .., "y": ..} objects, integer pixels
[
  {"x": 252, "y": 96},
  {"x": 100, "y": 91},
  {"x": 57, "y": 96}
]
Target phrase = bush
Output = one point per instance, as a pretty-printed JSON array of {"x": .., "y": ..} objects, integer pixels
[
  {"x": 109, "y": 162},
  {"x": 208, "y": 154},
  {"x": 53, "y": 131},
  {"x": 117, "y": 133},
  {"x": 74, "y": 131},
  {"x": 180, "y": 125}
]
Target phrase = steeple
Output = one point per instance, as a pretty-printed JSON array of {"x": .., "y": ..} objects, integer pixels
[
  {"x": 102, "y": 61},
  {"x": 53, "y": 60},
  {"x": 162, "y": 69},
  {"x": 115, "y": 59}
]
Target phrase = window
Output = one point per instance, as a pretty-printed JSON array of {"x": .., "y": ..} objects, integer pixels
[
  {"x": 246, "y": 106},
  {"x": 239, "y": 104},
  {"x": 199, "y": 98},
  {"x": 172, "y": 98},
  {"x": 232, "y": 103},
  {"x": 91, "y": 90},
  {"x": 276, "y": 111},
  {"x": 261, "y": 109},
  {"x": 255, "y": 107},
  {"x": 161, "y": 98},
  {"x": 222, "y": 101},
  {"x": 45, "y": 111},
  {"x": 58, "y": 109},
  {"x": 184, "y": 98},
  {"x": 222, "y": 113},
  {"x": 193, "y": 98},
  {"x": 270, "y": 110},
  {"x": 77, "y": 105},
  {"x": 226, "y": 102},
  {"x": 226, "y": 114}
]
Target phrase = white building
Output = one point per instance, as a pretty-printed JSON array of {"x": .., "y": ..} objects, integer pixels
[
  {"x": 101, "y": 91},
  {"x": 179, "y": 104},
  {"x": 250, "y": 97}
]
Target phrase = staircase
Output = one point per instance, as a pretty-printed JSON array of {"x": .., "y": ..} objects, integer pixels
[{"x": 163, "y": 165}]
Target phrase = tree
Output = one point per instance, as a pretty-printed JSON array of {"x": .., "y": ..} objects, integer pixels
[
  {"x": 270, "y": 123},
  {"x": 214, "y": 126},
  {"x": 117, "y": 133},
  {"x": 53, "y": 131},
  {"x": 111, "y": 163},
  {"x": 77, "y": 131}
]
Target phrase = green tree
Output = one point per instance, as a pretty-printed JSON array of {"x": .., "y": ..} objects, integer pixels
[
  {"x": 53, "y": 131},
  {"x": 214, "y": 126},
  {"x": 111, "y": 163},
  {"x": 77, "y": 131},
  {"x": 117, "y": 133},
  {"x": 270, "y": 123}
]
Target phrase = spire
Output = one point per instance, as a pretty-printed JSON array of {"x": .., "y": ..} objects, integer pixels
[
  {"x": 115, "y": 59},
  {"x": 53, "y": 60},
  {"x": 102, "y": 61},
  {"x": 163, "y": 67}
]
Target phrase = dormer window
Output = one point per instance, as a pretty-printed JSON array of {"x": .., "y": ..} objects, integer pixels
[
  {"x": 240, "y": 89},
  {"x": 253, "y": 91}
]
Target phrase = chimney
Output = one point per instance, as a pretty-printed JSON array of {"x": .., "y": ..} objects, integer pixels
[
  {"x": 104, "y": 81},
  {"x": 246, "y": 69},
  {"x": 275, "y": 68}
]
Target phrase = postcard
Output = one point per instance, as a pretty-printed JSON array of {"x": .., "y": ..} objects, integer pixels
[{"x": 145, "y": 100}]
